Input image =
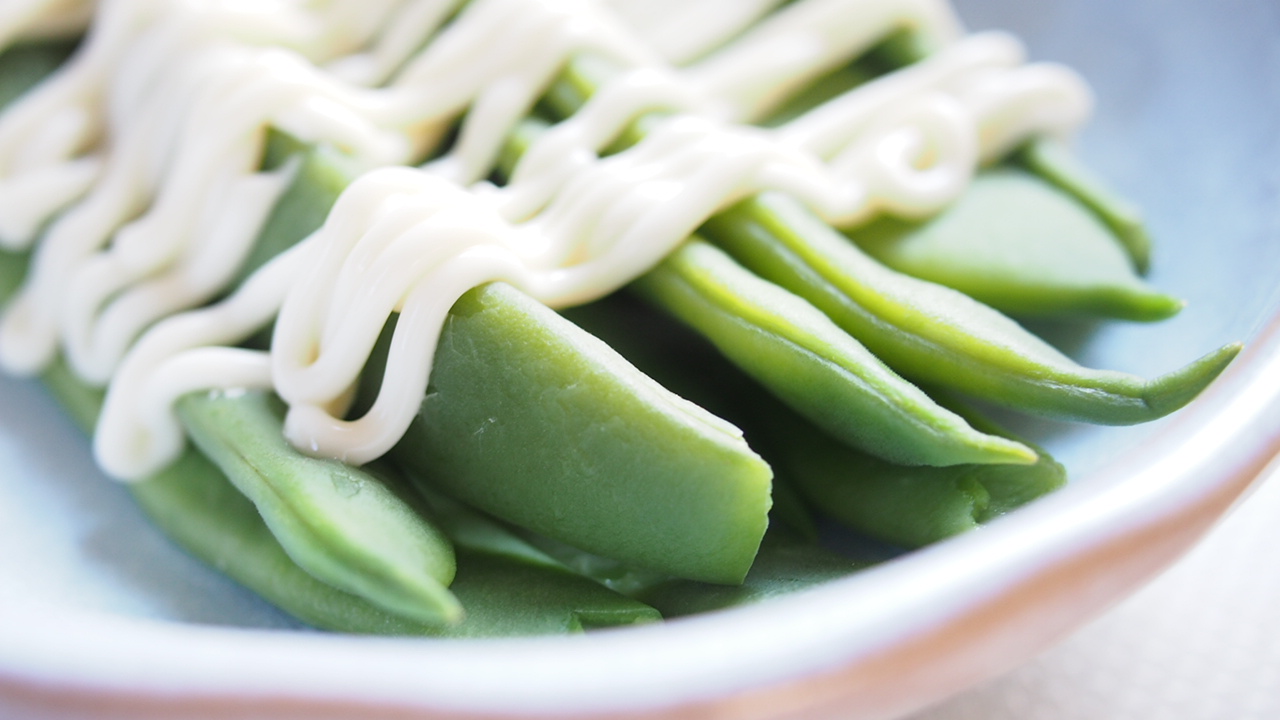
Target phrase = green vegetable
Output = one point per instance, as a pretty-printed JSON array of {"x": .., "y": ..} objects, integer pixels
[
  {"x": 1016, "y": 243},
  {"x": 907, "y": 506},
  {"x": 934, "y": 334},
  {"x": 24, "y": 65},
  {"x": 507, "y": 587},
  {"x": 923, "y": 331},
  {"x": 544, "y": 426},
  {"x": 802, "y": 357},
  {"x": 340, "y": 523},
  {"x": 794, "y": 350},
  {"x": 534, "y": 421},
  {"x": 607, "y": 421},
  {"x": 1056, "y": 164}
]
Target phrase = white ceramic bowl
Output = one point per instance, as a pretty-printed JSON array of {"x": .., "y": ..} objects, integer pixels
[{"x": 100, "y": 616}]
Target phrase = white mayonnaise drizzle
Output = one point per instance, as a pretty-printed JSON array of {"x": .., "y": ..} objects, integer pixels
[
  {"x": 141, "y": 159},
  {"x": 684, "y": 30}
]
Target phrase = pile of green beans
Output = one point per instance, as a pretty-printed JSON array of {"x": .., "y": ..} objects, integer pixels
[{"x": 554, "y": 482}]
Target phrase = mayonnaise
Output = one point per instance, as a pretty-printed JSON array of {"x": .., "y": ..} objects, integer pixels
[{"x": 139, "y": 160}]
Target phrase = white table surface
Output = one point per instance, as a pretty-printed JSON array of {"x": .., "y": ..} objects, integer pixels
[{"x": 1200, "y": 643}]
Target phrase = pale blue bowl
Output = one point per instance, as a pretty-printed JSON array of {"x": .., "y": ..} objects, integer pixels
[{"x": 97, "y": 610}]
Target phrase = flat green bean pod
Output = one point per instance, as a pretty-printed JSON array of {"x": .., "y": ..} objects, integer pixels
[
  {"x": 1053, "y": 162},
  {"x": 641, "y": 475},
  {"x": 1017, "y": 243},
  {"x": 920, "y": 329},
  {"x": 932, "y": 333},
  {"x": 341, "y": 523},
  {"x": 607, "y": 420},
  {"x": 794, "y": 350},
  {"x": 907, "y": 506},
  {"x": 508, "y": 588},
  {"x": 790, "y": 347}
]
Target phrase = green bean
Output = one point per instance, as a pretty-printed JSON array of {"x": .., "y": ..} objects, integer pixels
[
  {"x": 24, "y": 65},
  {"x": 1015, "y": 242},
  {"x": 1056, "y": 164},
  {"x": 793, "y": 349},
  {"x": 905, "y": 506},
  {"x": 322, "y": 174},
  {"x": 931, "y": 333},
  {"x": 342, "y": 524},
  {"x": 920, "y": 329},
  {"x": 506, "y": 586},
  {"x": 507, "y": 598},
  {"x": 785, "y": 564},
  {"x": 509, "y": 587},
  {"x": 534, "y": 421},
  {"x": 13, "y": 266},
  {"x": 702, "y": 459},
  {"x": 192, "y": 502},
  {"x": 908, "y": 506}
]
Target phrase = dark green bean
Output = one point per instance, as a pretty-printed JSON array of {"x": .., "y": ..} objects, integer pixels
[{"x": 906, "y": 506}]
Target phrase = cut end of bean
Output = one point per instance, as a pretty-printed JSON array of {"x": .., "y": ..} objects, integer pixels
[{"x": 1171, "y": 392}]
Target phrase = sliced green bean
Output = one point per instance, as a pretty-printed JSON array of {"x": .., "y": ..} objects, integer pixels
[
  {"x": 790, "y": 347},
  {"x": 938, "y": 335},
  {"x": 343, "y": 525},
  {"x": 538, "y": 423},
  {"x": 1015, "y": 242}
]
